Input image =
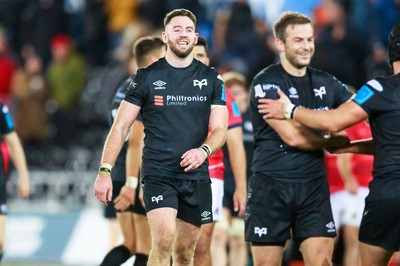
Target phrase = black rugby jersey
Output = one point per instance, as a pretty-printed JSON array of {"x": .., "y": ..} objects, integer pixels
[
  {"x": 118, "y": 97},
  {"x": 380, "y": 98},
  {"x": 272, "y": 156},
  {"x": 6, "y": 127},
  {"x": 175, "y": 108}
]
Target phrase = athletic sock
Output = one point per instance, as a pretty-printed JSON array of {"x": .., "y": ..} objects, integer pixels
[
  {"x": 141, "y": 260},
  {"x": 116, "y": 256}
]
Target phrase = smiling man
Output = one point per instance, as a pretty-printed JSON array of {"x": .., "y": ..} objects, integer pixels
[
  {"x": 179, "y": 98},
  {"x": 288, "y": 192},
  {"x": 379, "y": 101}
]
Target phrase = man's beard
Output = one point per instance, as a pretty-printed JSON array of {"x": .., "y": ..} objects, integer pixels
[
  {"x": 179, "y": 53},
  {"x": 292, "y": 58}
]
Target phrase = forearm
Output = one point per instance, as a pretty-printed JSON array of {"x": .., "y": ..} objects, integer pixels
[
  {"x": 237, "y": 159},
  {"x": 365, "y": 146},
  {"x": 17, "y": 155},
  {"x": 312, "y": 119},
  {"x": 297, "y": 136},
  {"x": 237, "y": 156},
  {"x": 133, "y": 160},
  {"x": 113, "y": 144},
  {"x": 344, "y": 167},
  {"x": 216, "y": 139}
]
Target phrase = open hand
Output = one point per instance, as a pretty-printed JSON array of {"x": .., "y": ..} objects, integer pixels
[{"x": 273, "y": 109}]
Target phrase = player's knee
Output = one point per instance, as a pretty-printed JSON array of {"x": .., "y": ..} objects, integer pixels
[
  {"x": 183, "y": 256},
  {"x": 202, "y": 247},
  {"x": 164, "y": 245},
  {"x": 237, "y": 228}
]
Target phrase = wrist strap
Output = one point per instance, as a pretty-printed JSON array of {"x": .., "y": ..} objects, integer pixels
[
  {"x": 132, "y": 181},
  {"x": 289, "y": 111},
  {"x": 206, "y": 149},
  {"x": 105, "y": 168}
]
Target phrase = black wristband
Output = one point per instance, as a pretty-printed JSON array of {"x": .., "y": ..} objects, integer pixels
[
  {"x": 292, "y": 113},
  {"x": 105, "y": 169}
]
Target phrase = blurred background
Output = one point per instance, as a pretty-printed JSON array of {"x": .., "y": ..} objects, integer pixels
[{"x": 62, "y": 60}]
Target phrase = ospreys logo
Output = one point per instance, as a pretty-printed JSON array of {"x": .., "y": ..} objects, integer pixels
[
  {"x": 201, "y": 83},
  {"x": 156, "y": 199},
  {"x": 320, "y": 92},
  {"x": 260, "y": 231}
]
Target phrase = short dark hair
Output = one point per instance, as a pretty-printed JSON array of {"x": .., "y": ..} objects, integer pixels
[
  {"x": 286, "y": 19},
  {"x": 201, "y": 41},
  {"x": 394, "y": 44},
  {"x": 178, "y": 13},
  {"x": 144, "y": 46}
]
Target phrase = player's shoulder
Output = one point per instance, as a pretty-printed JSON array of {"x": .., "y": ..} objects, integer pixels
[
  {"x": 205, "y": 70},
  {"x": 320, "y": 74},
  {"x": 273, "y": 71}
]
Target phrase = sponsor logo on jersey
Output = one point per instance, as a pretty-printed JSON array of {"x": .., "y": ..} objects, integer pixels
[
  {"x": 259, "y": 89},
  {"x": 200, "y": 83},
  {"x": 331, "y": 227},
  {"x": 184, "y": 100},
  {"x": 363, "y": 94},
  {"x": 320, "y": 92},
  {"x": 293, "y": 93},
  {"x": 260, "y": 231},
  {"x": 156, "y": 198},
  {"x": 132, "y": 85},
  {"x": 375, "y": 85},
  {"x": 206, "y": 215},
  {"x": 159, "y": 85},
  {"x": 158, "y": 100}
]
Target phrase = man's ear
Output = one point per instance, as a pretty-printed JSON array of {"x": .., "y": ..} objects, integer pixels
[
  {"x": 164, "y": 37},
  {"x": 280, "y": 46}
]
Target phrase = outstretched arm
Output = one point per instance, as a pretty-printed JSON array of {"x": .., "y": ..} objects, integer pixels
[
  {"x": 298, "y": 136},
  {"x": 333, "y": 120}
]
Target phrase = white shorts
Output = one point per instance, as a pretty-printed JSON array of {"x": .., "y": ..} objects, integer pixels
[
  {"x": 347, "y": 209},
  {"x": 217, "y": 188}
]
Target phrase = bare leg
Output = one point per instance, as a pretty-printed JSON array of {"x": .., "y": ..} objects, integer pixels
[
  {"x": 317, "y": 251},
  {"x": 351, "y": 251},
  {"x": 267, "y": 255},
  {"x": 142, "y": 230},
  {"x": 162, "y": 223},
  {"x": 202, "y": 254},
  {"x": 374, "y": 255},
  {"x": 114, "y": 230},
  {"x": 238, "y": 246},
  {"x": 128, "y": 230},
  {"x": 219, "y": 243},
  {"x": 187, "y": 236},
  {"x": 3, "y": 219}
]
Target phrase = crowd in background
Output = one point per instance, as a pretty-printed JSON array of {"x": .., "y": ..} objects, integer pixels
[{"x": 61, "y": 61}]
